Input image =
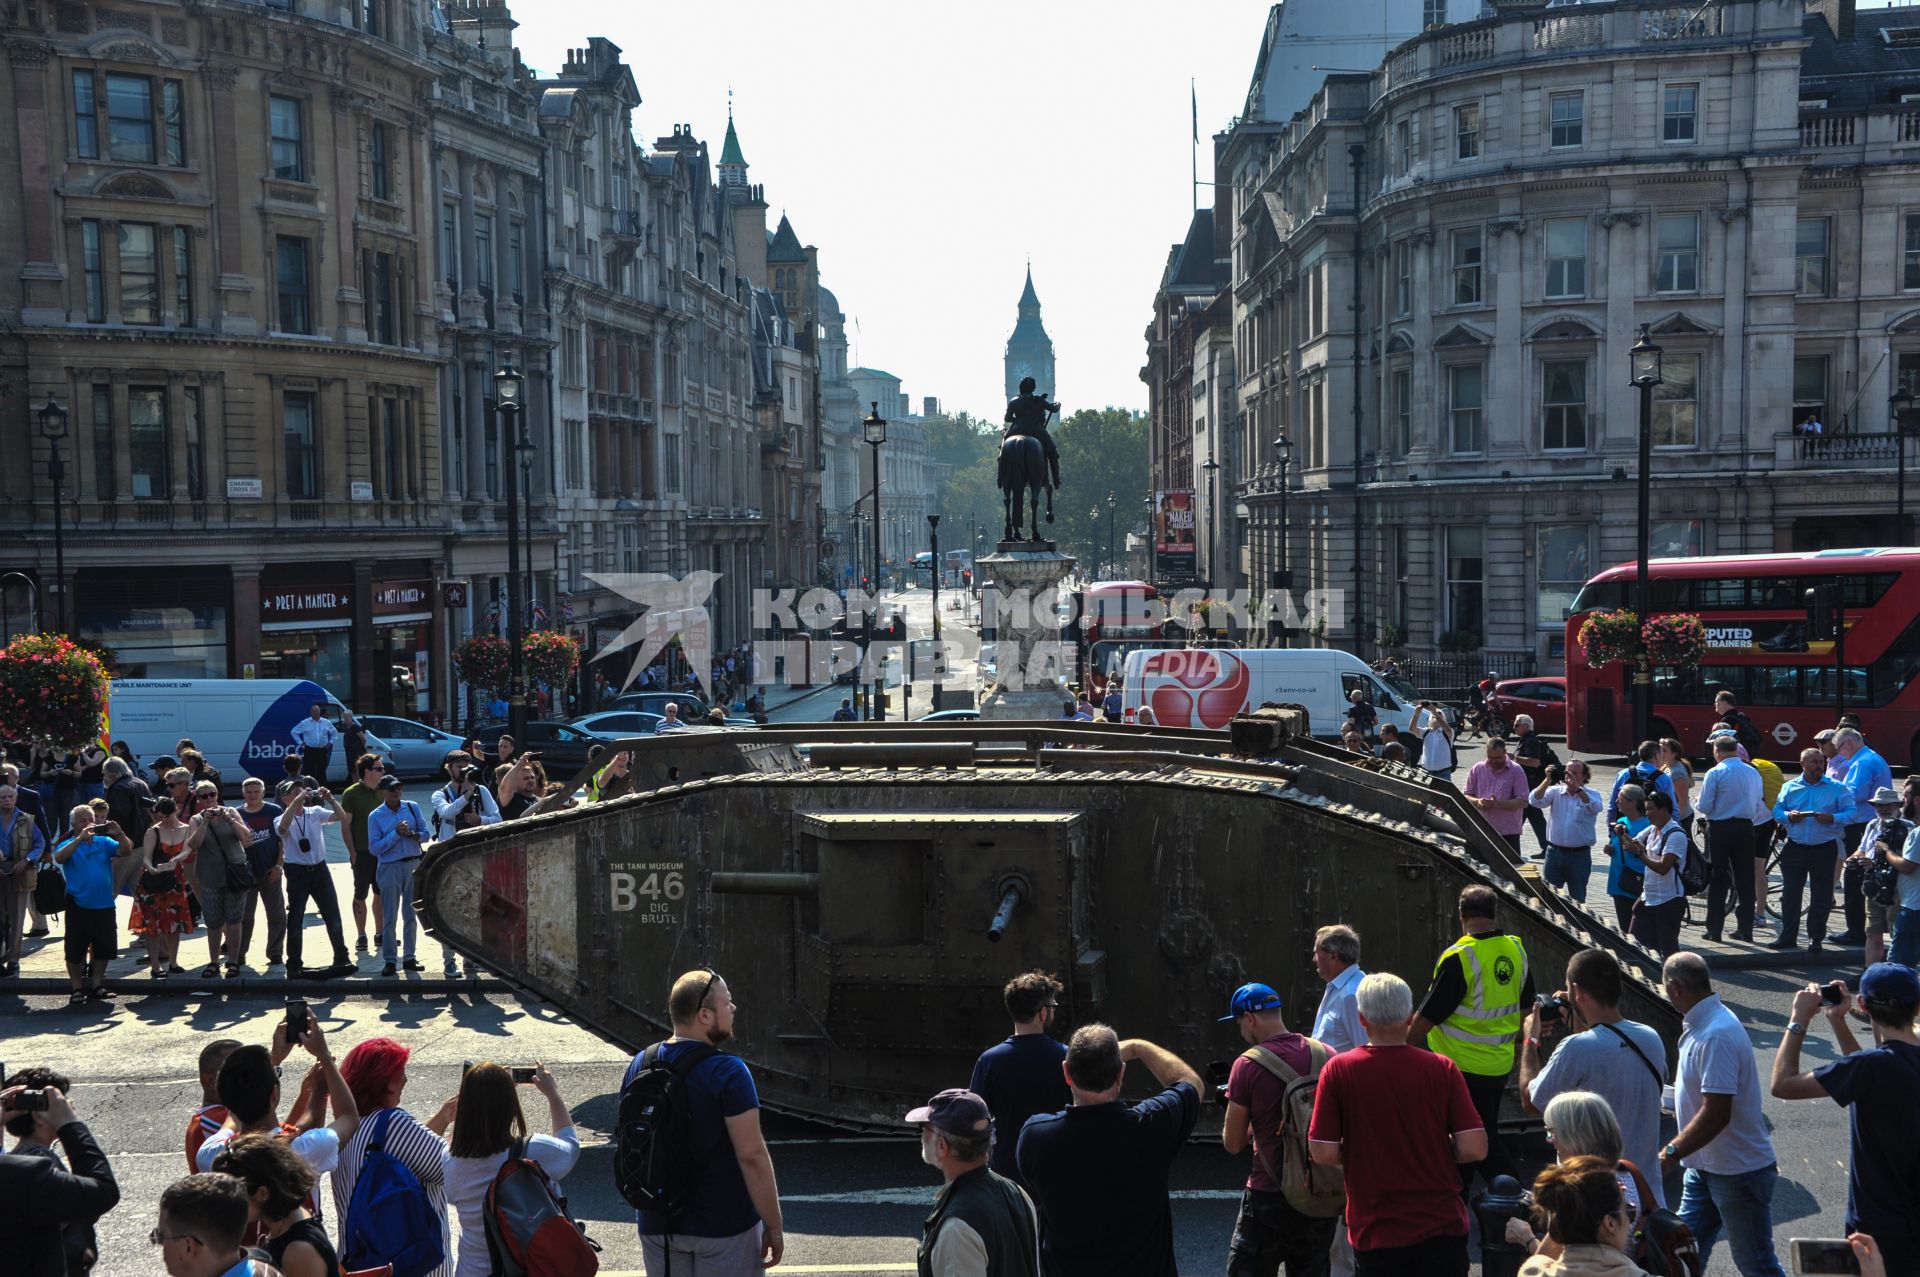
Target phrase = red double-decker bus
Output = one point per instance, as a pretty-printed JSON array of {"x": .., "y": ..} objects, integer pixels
[{"x": 1761, "y": 648}]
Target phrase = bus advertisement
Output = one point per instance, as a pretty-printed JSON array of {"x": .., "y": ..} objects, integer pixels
[{"x": 1763, "y": 646}]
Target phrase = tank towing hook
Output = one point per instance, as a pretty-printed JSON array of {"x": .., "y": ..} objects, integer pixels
[{"x": 1013, "y": 889}]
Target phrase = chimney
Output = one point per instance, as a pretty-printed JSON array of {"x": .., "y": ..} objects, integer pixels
[
  {"x": 1839, "y": 15},
  {"x": 930, "y": 406}
]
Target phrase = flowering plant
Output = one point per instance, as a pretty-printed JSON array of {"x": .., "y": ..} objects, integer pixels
[
  {"x": 52, "y": 692},
  {"x": 1676, "y": 639},
  {"x": 1606, "y": 637},
  {"x": 482, "y": 661},
  {"x": 552, "y": 657}
]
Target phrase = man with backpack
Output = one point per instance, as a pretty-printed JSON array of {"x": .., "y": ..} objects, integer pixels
[
  {"x": 982, "y": 1222},
  {"x": 1645, "y": 772},
  {"x": 1289, "y": 1207},
  {"x": 1743, "y": 729},
  {"x": 1535, "y": 756},
  {"x": 691, "y": 1156}
]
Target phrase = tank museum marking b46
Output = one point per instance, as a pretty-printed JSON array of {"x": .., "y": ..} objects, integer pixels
[{"x": 868, "y": 888}]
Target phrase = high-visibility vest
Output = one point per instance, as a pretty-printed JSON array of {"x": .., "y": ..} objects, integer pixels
[{"x": 1480, "y": 1034}]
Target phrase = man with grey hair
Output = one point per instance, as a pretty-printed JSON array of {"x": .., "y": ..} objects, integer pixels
[
  {"x": 1723, "y": 1141},
  {"x": 1098, "y": 1171},
  {"x": 1535, "y": 756},
  {"x": 1866, "y": 772},
  {"x": 1399, "y": 1120},
  {"x": 130, "y": 806},
  {"x": 982, "y": 1223},
  {"x": 1336, "y": 957}
]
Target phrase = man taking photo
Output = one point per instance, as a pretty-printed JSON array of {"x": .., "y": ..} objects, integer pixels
[{"x": 47, "y": 1210}]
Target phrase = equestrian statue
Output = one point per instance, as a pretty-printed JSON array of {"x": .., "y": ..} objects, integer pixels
[{"x": 1027, "y": 459}]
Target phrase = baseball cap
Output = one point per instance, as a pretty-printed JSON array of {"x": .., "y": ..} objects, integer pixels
[
  {"x": 389, "y": 782},
  {"x": 1251, "y": 997},
  {"x": 955, "y": 1111},
  {"x": 1892, "y": 983}
]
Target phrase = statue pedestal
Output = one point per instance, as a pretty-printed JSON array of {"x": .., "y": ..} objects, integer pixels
[{"x": 1022, "y": 573}]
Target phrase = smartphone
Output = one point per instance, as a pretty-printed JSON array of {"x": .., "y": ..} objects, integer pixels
[
  {"x": 1821, "y": 1255},
  {"x": 296, "y": 1020},
  {"x": 523, "y": 1074},
  {"x": 466, "y": 1067}
]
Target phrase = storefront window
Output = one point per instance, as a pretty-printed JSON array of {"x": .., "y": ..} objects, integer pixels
[
  {"x": 325, "y": 656},
  {"x": 160, "y": 642}
]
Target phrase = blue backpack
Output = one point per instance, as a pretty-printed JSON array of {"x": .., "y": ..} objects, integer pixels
[{"x": 389, "y": 1220}]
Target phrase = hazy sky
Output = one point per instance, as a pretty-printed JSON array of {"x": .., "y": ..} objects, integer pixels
[{"x": 927, "y": 150}]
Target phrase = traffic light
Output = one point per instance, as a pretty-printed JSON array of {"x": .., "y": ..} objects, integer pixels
[{"x": 966, "y": 577}]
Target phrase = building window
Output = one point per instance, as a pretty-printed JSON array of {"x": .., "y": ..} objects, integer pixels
[
  {"x": 1466, "y": 267},
  {"x": 1403, "y": 277},
  {"x": 1402, "y": 438},
  {"x": 390, "y": 450},
  {"x": 293, "y": 285},
  {"x": 147, "y": 447},
  {"x": 1910, "y": 255},
  {"x": 173, "y": 119},
  {"x": 130, "y": 131},
  {"x": 139, "y": 274},
  {"x": 86, "y": 117},
  {"x": 373, "y": 17},
  {"x": 377, "y": 157},
  {"x": 450, "y": 246},
  {"x": 1908, "y": 374},
  {"x": 1466, "y": 131},
  {"x": 1566, "y": 257},
  {"x": 1563, "y": 560},
  {"x": 196, "y": 451},
  {"x": 1402, "y": 145},
  {"x": 1809, "y": 388},
  {"x": 183, "y": 276},
  {"x": 1466, "y": 570},
  {"x": 1564, "y": 400},
  {"x": 1433, "y": 13},
  {"x": 1810, "y": 256},
  {"x": 483, "y": 251},
  {"x": 670, "y": 455},
  {"x": 91, "y": 267},
  {"x": 1676, "y": 403},
  {"x": 516, "y": 259},
  {"x": 289, "y": 139},
  {"x": 1465, "y": 397},
  {"x": 296, "y": 428},
  {"x": 1680, "y": 113},
  {"x": 576, "y": 454},
  {"x": 1677, "y": 265},
  {"x": 1676, "y": 539},
  {"x": 570, "y": 350},
  {"x": 105, "y": 486},
  {"x": 1567, "y": 117},
  {"x": 384, "y": 300}
]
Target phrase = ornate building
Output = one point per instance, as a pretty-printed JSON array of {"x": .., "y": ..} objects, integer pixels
[{"x": 1029, "y": 349}]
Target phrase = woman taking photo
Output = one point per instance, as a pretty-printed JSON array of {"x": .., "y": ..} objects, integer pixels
[
  {"x": 487, "y": 1122},
  {"x": 160, "y": 901},
  {"x": 376, "y": 1072},
  {"x": 1580, "y": 1204},
  {"x": 278, "y": 1181}
]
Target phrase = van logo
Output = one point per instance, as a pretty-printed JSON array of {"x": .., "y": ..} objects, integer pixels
[
  {"x": 1199, "y": 684},
  {"x": 270, "y": 739}
]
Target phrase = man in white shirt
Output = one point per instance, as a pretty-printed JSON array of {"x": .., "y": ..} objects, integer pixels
[
  {"x": 1336, "y": 956},
  {"x": 315, "y": 736},
  {"x": 311, "y": 807},
  {"x": 1572, "y": 806},
  {"x": 1727, "y": 798},
  {"x": 465, "y": 800},
  {"x": 1723, "y": 1140},
  {"x": 249, "y": 1086}
]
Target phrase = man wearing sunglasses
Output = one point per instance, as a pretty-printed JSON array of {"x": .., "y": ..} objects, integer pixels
[
  {"x": 40, "y": 1200},
  {"x": 730, "y": 1225}
]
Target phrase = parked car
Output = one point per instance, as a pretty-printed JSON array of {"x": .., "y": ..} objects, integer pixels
[
  {"x": 693, "y": 708},
  {"x": 1544, "y": 699},
  {"x": 617, "y": 724},
  {"x": 414, "y": 750},
  {"x": 949, "y": 716},
  {"x": 562, "y": 747}
]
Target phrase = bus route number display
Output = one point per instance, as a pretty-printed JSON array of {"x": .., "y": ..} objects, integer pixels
[{"x": 652, "y": 889}]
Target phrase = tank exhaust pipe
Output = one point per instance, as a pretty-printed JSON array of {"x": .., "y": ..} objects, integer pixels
[{"x": 1013, "y": 891}]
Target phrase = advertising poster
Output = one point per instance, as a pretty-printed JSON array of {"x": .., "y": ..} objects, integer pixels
[{"x": 1174, "y": 548}]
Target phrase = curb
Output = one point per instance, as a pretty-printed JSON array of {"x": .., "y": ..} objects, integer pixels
[
  {"x": 189, "y": 986},
  {"x": 1783, "y": 960}
]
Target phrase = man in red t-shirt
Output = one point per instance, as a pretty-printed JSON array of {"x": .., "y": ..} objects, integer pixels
[
  {"x": 1269, "y": 1231},
  {"x": 212, "y": 1114},
  {"x": 1399, "y": 1120}
]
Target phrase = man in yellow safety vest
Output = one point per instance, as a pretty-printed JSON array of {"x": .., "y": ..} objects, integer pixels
[{"x": 1481, "y": 993}]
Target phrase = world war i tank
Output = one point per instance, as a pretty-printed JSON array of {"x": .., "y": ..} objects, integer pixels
[{"x": 867, "y": 889}]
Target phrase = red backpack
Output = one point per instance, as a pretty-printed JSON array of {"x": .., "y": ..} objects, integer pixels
[{"x": 530, "y": 1232}]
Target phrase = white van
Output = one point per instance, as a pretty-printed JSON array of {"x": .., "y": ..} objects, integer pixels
[
  {"x": 244, "y": 726},
  {"x": 1204, "y": 687}
]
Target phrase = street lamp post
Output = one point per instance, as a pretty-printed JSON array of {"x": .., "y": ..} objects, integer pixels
[
  {"x": 939, "y": 679},
  {"x": 53, "y": 426},
  {"x": 1644, "y": 362},
  {"x": 1213, "y": 519},
  {"x": 876, "y": 431},
  {"x": 1152, "y": 548},
  {"x": 1113, "y": 505},
  {"x": 1283, "y": 448},
  {"x": 507, "y": 385},
  {"x": 1093, "y": 540},
  {"x": 1901, "y": 405}
]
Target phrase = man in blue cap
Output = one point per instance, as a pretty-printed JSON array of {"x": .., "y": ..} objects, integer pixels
[
  {"x": 981, "y": 1222},
  {"x": 1270, "y": 1231},
  {"x": 1876, "y": 1087}
]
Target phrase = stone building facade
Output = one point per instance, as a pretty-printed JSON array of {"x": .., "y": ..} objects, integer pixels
[{"x": 1438, "y": 270}]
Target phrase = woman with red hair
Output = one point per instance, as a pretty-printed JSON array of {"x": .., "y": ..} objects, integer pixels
[{"x": 376, "y": 1073}]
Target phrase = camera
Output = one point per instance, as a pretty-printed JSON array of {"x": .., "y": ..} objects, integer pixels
[
  {"x": 30, "y": 1102},
  {"x": 1555, "y": 771},
  {"x": 1552, "y": 1009},
  {"x": 309, "y": 783},
  {"x": 145, "y": 800},
  {"x": 1217, "y": 1072},
  {"x": 470, "y": 772},
  {"x": 1833, "y": 993}
]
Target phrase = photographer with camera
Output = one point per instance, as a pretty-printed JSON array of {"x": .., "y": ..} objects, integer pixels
[
  {"x": 1876, "y": 1087},
  {"x": 1876, "y": 861},
  {"x": 311, "y": 807},
  {"x": 1598, "y": 1050},
  {"x": 93, "y": 935},
  {"x": 463, "y": 802},
  {"x": 1573, "y": 807},
  {"x": 47, "y": 1210}
]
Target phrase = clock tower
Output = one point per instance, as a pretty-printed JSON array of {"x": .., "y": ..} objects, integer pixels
[{"x": 1030, "y": 350}]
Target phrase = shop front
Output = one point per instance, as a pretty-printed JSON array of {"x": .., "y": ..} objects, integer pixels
[
  {"x": 162, "y": 623},
  {"x": 366, "y": 639},
  {"x": 306, "y": 631},
  {"x": 403, "y": 646}
]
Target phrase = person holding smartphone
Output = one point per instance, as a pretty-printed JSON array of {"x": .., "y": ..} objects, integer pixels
[
  {"x": 1573, "y": 807},
  {"x": 311, "y": 807},
  {"x": 487, "y": 1122}
]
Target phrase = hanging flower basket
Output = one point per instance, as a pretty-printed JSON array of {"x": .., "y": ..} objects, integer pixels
[
  {"x": 1606, "y": 637},
  {"x": 52, "y": 692},
  {"x": 482, "y": 661},
  {"x": 1676, "y": 639},
  {"x": 552, "y": 657}
]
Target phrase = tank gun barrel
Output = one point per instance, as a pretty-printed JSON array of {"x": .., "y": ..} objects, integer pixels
[
  {"x": 1010, "y": 899},
  {"x": 767, "y": 884}
]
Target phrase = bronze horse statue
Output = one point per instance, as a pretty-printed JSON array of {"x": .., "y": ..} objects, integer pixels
[{"x": 1023, "y": 476}]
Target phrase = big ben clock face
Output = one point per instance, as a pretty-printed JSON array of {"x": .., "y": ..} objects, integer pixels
[{"x": 1023, "y": 370}]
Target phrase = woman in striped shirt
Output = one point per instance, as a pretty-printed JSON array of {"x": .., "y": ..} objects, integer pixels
[{"x": 376, "y": 1073}]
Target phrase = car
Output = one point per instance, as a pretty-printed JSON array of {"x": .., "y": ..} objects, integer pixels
[
  {"x": 562, "y": 747},
  {"x": 693, "y": 708},
  {"x": 949, "y": 716},
  {"x": 414, "y": 750},
  {"x": 1544, "y": 699},
  {"x": 618, "y": 724}
]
